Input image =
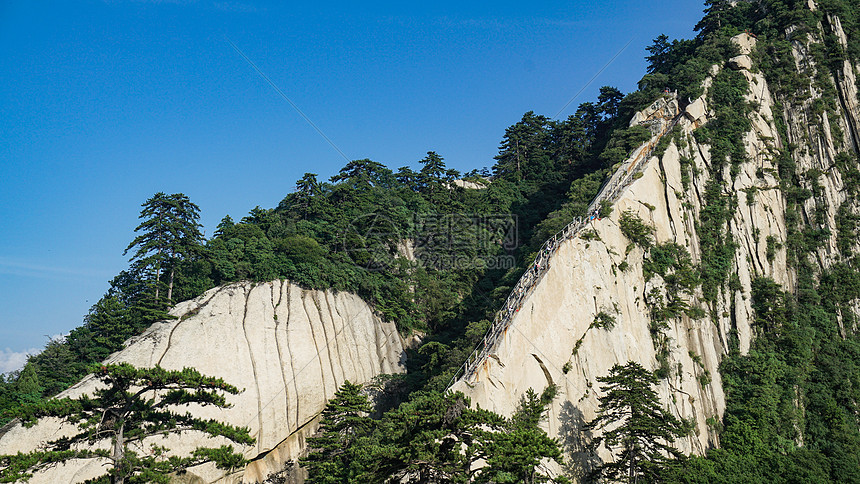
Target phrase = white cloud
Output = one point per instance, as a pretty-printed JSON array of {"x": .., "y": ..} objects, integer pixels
[
  {"x": 59, "y": 337},
  {"x": 14, "y": 360}
]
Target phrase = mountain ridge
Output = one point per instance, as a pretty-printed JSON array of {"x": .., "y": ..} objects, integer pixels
[{"x": 728, "y": 267}]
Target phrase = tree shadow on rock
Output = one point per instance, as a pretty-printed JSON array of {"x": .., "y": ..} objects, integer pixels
[{"x": 576, "y": 440}]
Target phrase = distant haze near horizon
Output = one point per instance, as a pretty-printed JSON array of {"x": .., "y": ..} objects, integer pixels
[{"x": 106, "y": 102}]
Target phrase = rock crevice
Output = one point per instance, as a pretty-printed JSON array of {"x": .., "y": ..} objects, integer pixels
[
  {"x": 252, "y": 336},
  {"x": 584, "y": 273}
]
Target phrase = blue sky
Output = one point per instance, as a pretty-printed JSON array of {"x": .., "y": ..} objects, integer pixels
[{"x": 103, "y": 103}]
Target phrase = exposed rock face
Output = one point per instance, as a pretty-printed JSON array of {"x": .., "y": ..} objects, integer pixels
[
  {"x": 551, "y": 340},
  {"x": 289, "y": 348},
  {"x": 469, "y": 185}
]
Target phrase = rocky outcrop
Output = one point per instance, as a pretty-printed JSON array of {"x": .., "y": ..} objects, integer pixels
[
  {"x": 469, "y": 185},
  {"x": 552, "y": 338},
  {"x": 289, "y": 348}
]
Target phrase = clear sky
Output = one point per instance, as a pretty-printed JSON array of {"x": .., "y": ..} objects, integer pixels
[{"x": 103, "y": 103}]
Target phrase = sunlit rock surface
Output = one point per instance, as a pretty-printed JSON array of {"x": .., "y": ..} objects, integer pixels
[{"x": 287, "y": 347}]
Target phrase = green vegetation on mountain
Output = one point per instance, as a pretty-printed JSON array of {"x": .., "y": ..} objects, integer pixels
[
  {"x": 434, "y": 257},
  {"x": 636, "y": 427},
  {"x": 135, "y": 404},
  {"x": 432, "y": 437},
  {"x": 356, "y": 233},
  {"x": 792, "y": 406}
]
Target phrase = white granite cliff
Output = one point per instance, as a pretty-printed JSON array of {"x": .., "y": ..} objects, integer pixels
[
  {"x": 289, "y": 348},
  {"x": 550, "y": 339}
]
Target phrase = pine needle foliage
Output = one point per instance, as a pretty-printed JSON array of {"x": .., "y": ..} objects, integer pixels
[
  {"x": 635, "y": 229},
  {"x": 514, "y": 451},
  {"x": 344, "y": 419},
  {"x": 132, "y": 405},
  {"x": 168, "y": 233},
  {"x": 636, "y": 428},
  {"x": 433, "y": 437}
]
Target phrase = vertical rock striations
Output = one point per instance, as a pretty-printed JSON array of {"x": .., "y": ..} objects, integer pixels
[
  {"x": 289, "y": 348},
  {"x": 682, "y": 332}
]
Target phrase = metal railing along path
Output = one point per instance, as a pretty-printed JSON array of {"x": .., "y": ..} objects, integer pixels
[{"x": 610, "y": 192}]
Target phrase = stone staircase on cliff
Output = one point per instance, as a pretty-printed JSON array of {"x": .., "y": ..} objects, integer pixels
[{"x": 623, "y": 177}]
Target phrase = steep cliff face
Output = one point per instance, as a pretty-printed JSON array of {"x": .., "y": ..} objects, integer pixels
[
  {"x": 289, "y": 348},
  {"x": 552, "y": 338}
]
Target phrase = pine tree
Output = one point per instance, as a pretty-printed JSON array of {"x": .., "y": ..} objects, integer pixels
[
  {"x": 308, "y": 191},
  {"x": 724, "y": 13},
  {"x": 407, "y": 177},
  {"x": 224, "y": 226},
  {"x": 523, "y": 153},
  {"x": 423, "y": 439},
  {"x": 363, "y": 174},
  {"x": 636, "y": 428},
  {"x": 27, "y": 385},
  {"x": 344, "y": 419},
  {"x": 432, "y": 174},
  {"x": 514, "y": 451},
  {"x": 132, "y": 405},
  {"x": 109, "y": 327},
  {"x": 169, "y": 234},
  {"x": 659, "y": 60}
]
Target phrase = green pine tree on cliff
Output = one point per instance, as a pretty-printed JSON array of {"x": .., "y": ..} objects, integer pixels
[
  {"x": 636, "y": 428},
  {"x": 132, "y": 405}
]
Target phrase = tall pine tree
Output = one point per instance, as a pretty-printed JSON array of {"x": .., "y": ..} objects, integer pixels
[
  {"x": 169, "y": 234},
  {"x": 636, "y": 428},
  {"x": 344, "y": 419},
  {"x": 515, "y": 451}
]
